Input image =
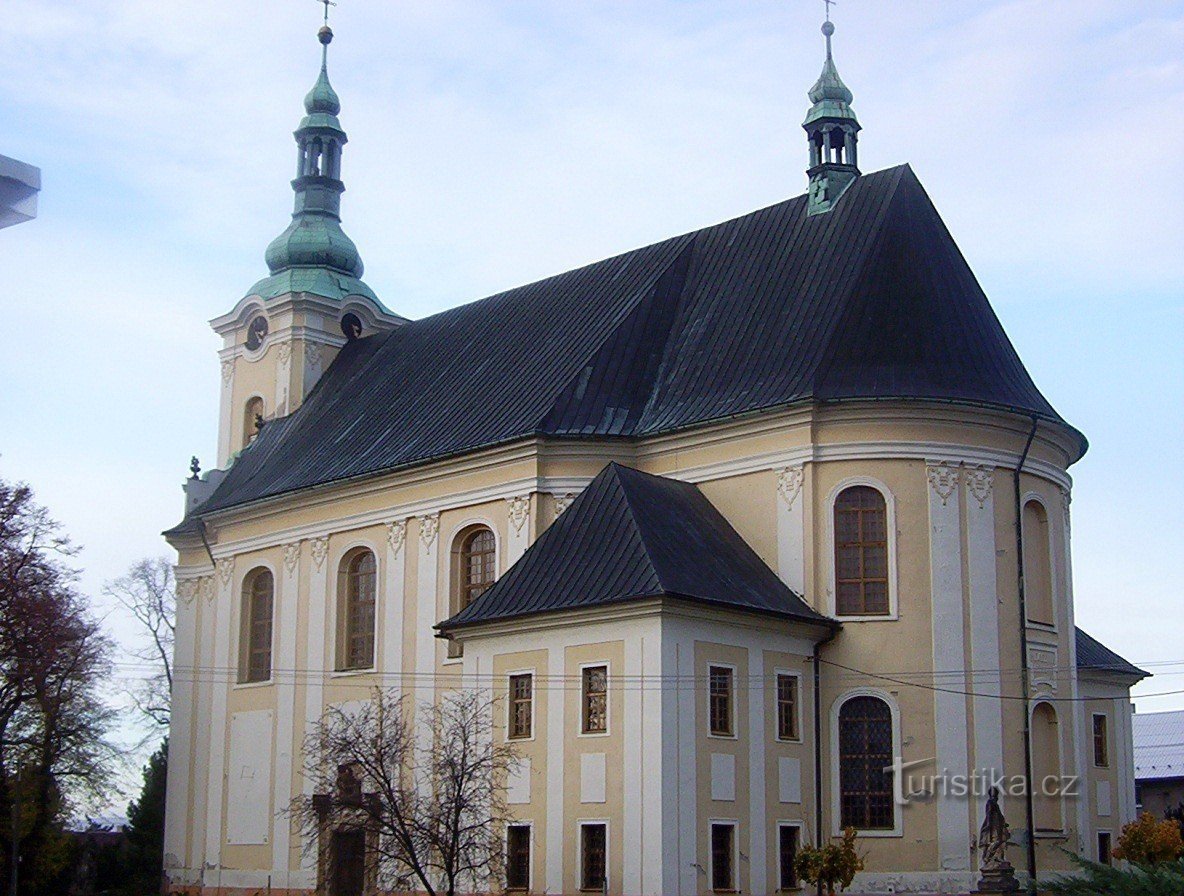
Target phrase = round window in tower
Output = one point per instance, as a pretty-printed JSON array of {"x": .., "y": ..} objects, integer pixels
[
  {"x": 256, "y": 332},
  {"x": 351, "y": 326}
]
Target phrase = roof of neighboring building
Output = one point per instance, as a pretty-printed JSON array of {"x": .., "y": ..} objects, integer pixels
[
  {"x": 872, "y": 300},
  {"x": 633, "y": 535},
  {"x": 1092, "y": 654},
  {"x": 1159, "y": 744}
]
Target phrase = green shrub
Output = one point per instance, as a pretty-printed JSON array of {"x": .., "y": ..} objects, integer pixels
[{"x": 1164, "y": 879}]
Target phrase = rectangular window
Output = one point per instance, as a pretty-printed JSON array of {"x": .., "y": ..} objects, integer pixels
[
  {"x": 787, "y": 854},
  {"x": 1101, "y": 741},
  {"x": 518, "y": 857},
  {"x": 723, "y": 841},
  {"x": 720, "y": 700},
  {"x": 593, "y": 861},
  {"x": 787, "y": 707},
  {"x": 521, "y": 705},
  {"x": 595, "y": 699},
  {"x": 1104, "y": 848}
]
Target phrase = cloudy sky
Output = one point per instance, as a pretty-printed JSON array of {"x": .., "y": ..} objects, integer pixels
[{"x": 493, "y": 143}]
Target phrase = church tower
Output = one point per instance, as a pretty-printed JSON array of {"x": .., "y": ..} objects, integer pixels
[
  {"x": 280, "y": 337},
  {"x": 832, "y": 131}
]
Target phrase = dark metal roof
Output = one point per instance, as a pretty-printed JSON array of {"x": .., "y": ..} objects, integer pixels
[
  {"x": 1094, "y": 655},
  {"x": 631, "y": 535},
  {"x": 871, "y": 300}
]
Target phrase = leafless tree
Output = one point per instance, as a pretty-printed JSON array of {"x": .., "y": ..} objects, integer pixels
[
  {"x": 148, "y": 593},
  {"x": 428, "y": 790}
]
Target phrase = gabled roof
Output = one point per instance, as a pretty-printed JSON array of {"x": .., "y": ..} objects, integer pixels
[
  {"x": 1095, "y": 656},
  {"x": 872, "y": 300},
  {"x": 632, "y": 535},
  {"x": 1159, "y": 744}
]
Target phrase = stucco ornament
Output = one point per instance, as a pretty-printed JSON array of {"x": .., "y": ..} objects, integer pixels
[
  {"x": 291, "y": 556},
  {"x": 789, "y": 484},
  {"x": 225, "y": 568},
  {"x": 429, "y": 528},
  {"x": 227, "y": 371},
  {"x": 320, "y": 550},
  {"x": 313, "y": 359},
  {"x": 396, "y": 534},
  {"x": 284, "y": 353},
  {"x": 562, "y": 502},
  {"x": 205, "y": 588},
  {"x": 979, "y": 481},
  {"x": 187, "y": 590},
  {"x": 519, "y": 511},
  {"x": 943, "y": 479},
  {"x": 1066, "y": 500}
]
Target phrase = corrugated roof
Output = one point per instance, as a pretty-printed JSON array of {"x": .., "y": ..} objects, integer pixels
[
  {"x": 1094, "y": 655},
  {"x": 872, "y": 300},
  {"x": 631, "y": 535},
  {"x": 1159, "y": 744}
]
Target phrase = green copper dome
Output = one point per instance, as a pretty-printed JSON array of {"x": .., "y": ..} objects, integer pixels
[
  {"x": 830, "y": 96},
  {"x": 314, "y": 241}
]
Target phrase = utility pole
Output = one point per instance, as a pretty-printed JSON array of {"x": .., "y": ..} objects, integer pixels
[{"x": 14, "y": 870}]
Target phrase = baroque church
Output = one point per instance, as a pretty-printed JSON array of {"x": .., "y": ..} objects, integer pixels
[{"x": 751, "y": 529}]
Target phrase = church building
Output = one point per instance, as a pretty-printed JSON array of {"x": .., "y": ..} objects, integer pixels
[{"x": 762, "y": 532}]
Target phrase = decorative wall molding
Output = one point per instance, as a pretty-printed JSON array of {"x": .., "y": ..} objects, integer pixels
[
  {"x": 396, "y": 534},
  {"x": 562, "y": 502},
  {"x": 429, "y": 528},
  {"x": 943, "y": 479},
  {"x": 1042, "y": 664},
  {"x": 979, "y": 482},
  {"x": 187, "y": 590},
  {"x": 225, "y": 569},
  {"x": 789, "y": 484},
  {"x": 1066, "y": 500},
  {"x": 205, "y": 588},
  {"x": 320, "y": 550},
  {"x": 519, "y": 511},
  {"x": 227, "y": 372},
  {"x": 291, "y": 556},
  {"x": 284, "y": 353},
  {"x": 313, "y": 359}
]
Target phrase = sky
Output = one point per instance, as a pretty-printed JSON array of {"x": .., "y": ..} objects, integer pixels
[{"x": 492, "y": 144}]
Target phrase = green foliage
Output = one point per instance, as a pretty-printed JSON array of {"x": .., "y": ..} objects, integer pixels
[
  {"x": 145, "y": 828},
  {"x": 1164, "y": 879},
  {"x": 834, "y": 863}
]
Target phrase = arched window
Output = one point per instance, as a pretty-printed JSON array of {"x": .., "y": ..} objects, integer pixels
[
  {"x": 861, "y": 552},
  {"x": 356, "y": 598},
  {"x": 252, "y": 417},
  {"x": 1046, "y": 768},
  {"x": 1037, "y": 565},
  {"x": 865, "y": 750},
  {"x": 258, "y": 601},
  {"x": 474, "y": 569}
]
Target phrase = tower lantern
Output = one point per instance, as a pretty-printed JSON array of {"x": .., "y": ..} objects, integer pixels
[{"x": 832, "y": 133}]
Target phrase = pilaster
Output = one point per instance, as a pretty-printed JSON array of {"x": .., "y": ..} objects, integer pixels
[
  {"x": 283, "y": 676},
  {"x": 221, "y": 611}
]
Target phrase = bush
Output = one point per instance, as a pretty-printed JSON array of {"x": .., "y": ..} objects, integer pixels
[
  {"x": 835, "y": 863},
  {"x": 1150, "y": 841},
  {"x": 1163, "y": 879}
]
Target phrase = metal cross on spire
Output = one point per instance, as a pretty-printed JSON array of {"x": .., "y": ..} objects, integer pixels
[
  {"x": 829, "y": 4},
  {"x": 328, "y": 3}
]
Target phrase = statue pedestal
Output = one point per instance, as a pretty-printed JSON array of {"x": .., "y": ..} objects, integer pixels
[{"x": 998, "y": 879}]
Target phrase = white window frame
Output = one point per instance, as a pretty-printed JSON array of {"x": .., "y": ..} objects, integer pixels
[
  {"x": 529, "y": 825},
  {"x": 735, "y": 702},
  {"x": 897, "y": 829},
  {"x": 240, "y": 622},
  {"x": 801, "y": 829},
  {"x": 510, "y": 704},
  {"x": 798, "y": 709},
  {"x": 832, "y": 594},
  {"x": 339, "y": 609},
  {"x": 580, "y": 825},
  {"x": 608, "y": 704},
  {"x": 734, "y": 824}
]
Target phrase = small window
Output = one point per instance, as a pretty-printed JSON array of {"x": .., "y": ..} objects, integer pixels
[
  {"x": 1101, "y": 742},
  {"x": 787, "y": 707},
  {"x": 258, "y": 593},
  {"x": 593, "y": 855},
  {"x": 521, "y": 705},
  {"x": 861, "y": 552},
  {"x": 253, "y": 414},
  {"x": 1104, "y": 857},
  {"x": 474, "y": 569},
  {"x": 358, "y": 577},
  {"x": 1038, "y": 598},
  {"x": 788, "y": 840},
  {"x": 720, "y": 700},
  {"x": 595, "y": 699},
  {"x": 723, "y": 847},
  {"x": 518, "y": 857},
  {"x": 865, "y": 751}
]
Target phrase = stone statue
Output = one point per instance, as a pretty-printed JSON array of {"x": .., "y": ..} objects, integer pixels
[{"x": 998, "y": 876}]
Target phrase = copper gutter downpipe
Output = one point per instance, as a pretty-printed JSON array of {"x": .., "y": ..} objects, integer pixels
[{"x": 1029, "y": 811}]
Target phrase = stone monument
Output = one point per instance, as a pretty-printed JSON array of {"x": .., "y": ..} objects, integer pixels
[{"x": 998, "y": 875}]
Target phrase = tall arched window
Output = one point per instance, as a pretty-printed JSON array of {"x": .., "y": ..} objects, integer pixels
[
  {"x": 356, "y": 599},
  {"x": 865, "y": 750},
  {"x": 257, "y": 605},
  {"x": 252, "y": 415},
  {"x": 1046, "y": 768},
  {"x": 474, "y": 569},
  {"x": 1037, "y": 565},
  {"x": 861, "y": 552}
]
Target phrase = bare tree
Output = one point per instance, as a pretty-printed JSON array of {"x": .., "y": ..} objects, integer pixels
[
  {"x": 427, "y": 793},
  {"x": 148, "y": 592}
]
